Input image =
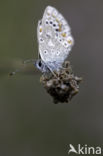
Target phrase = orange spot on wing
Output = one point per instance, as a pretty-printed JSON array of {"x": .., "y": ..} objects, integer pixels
[
  {"x": 63, "y": 34},
  {"x": 69, "y": 41},
  {"x": 60, "y": 26},
  {"x": 40, "y": 29}
]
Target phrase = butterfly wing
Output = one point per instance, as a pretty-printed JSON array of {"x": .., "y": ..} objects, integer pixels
[{"x": 54, "y": 36}]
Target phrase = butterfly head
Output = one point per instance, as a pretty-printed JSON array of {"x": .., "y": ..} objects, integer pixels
[{"x": 41, "y": 66}]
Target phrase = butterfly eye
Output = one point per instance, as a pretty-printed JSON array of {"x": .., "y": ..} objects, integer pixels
[{"x": 39, "y": 63}]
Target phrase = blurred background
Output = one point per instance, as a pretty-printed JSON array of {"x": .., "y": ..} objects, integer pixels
[{"x": 30, "y": 124}]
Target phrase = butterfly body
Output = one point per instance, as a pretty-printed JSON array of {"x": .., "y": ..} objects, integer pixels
[{"x": 54, "y": 39}]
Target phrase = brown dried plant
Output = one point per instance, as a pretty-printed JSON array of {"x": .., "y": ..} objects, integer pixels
[{"x": 62, "y": 85}]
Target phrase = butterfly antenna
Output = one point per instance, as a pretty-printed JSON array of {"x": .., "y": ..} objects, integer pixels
[
  {"x": 14, "y": 72},
  {"x": 32, "y": 61}
]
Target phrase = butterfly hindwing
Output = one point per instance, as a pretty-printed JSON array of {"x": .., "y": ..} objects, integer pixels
[{"x": 54, "y": 36}]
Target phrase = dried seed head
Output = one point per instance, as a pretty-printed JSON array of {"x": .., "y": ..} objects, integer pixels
[{"x": 62, "y": 87}]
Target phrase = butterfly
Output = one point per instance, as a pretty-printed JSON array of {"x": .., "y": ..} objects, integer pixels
[{"x": 54, "y": 40}]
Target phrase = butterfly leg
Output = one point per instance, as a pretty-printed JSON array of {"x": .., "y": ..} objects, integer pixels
[{"x": 51, "y": 70}]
